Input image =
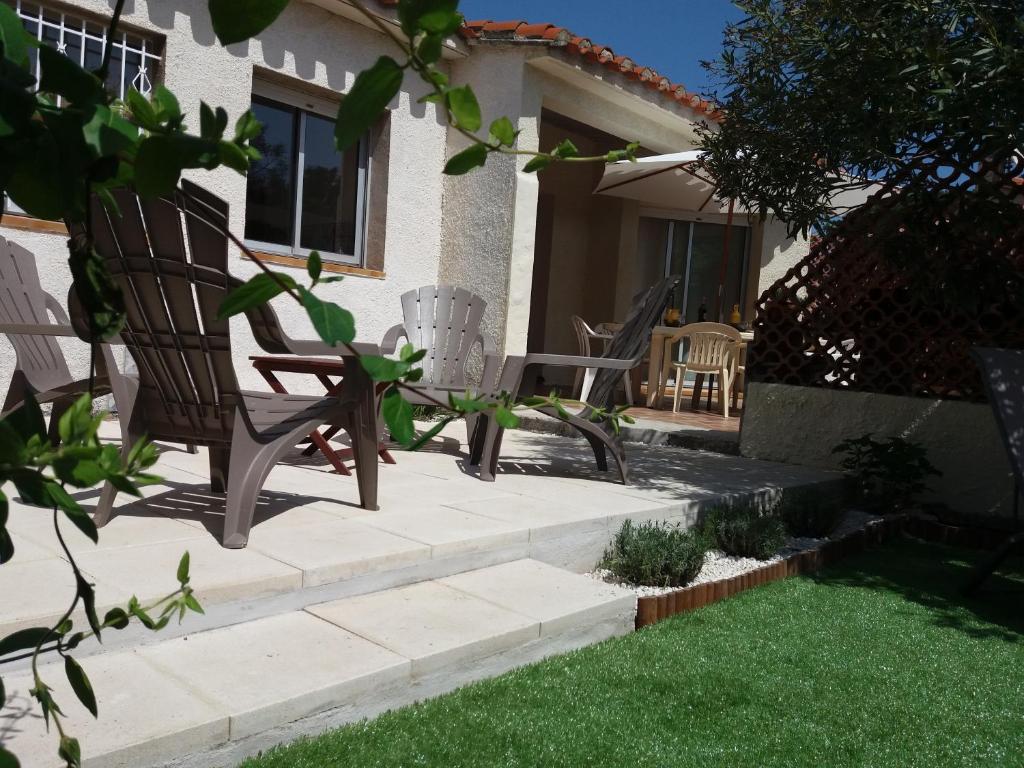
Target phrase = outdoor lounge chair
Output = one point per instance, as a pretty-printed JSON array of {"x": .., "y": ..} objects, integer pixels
[
  {"x": 169, "y": 256},
  {"x": 445, "y": 321},
  {"x": 40, "y": 366},
  {"x": 600, "y": 382}
]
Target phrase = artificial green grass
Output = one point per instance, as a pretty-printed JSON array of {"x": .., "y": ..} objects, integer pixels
[{"x": 876, "y": 662}]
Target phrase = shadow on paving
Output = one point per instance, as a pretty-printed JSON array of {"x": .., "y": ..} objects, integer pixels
[{"x": 934, "y": 576}]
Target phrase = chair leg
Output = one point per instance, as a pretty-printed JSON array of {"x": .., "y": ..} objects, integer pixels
[
  {"x": 130, "y": 434},
  {"x": 491, "y": 450},
  {"x": 364, "y": 450},
  {"x": 627, "y": 382},
  {"x": 723, "y": 391},
  {"x": 220, "y": 462},
  {"x": 600, "y": 455},
  {"x": 678, "y": 394}
]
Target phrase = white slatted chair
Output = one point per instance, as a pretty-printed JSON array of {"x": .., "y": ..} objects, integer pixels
[
  {"x": 713, "y": 350},
  {"x": 445, "y": 321},
  {"x": 584, "y": 336}
]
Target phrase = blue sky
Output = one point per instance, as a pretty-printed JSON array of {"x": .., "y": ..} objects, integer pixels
[{"x": 671, "y": 36}]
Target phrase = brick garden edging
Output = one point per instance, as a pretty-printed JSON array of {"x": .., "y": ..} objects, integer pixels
[{"x": 650, "y": 610}]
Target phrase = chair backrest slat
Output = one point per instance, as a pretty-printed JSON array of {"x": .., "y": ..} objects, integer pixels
[
  {"x": 711, "y": 344},
  {"x": 169, "y": 256},
  {"x": 632, "y": 339},
  {"x": 23, "y": 301},
  {"x": 445, "y": 321}
]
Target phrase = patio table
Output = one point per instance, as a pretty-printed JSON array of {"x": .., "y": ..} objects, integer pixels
[{"x": 324, "y": 369}]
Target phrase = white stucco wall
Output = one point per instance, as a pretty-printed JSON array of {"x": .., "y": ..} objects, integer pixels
[
  {"x": 315, "y": 46},
  {"x": 801, "y": 425},
  {"x": 778, "y": 253}
]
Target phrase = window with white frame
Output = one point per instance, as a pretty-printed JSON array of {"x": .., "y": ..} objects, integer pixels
[
  {"x": 304, "y": 195},
  {"x": 134, "y": 59}
]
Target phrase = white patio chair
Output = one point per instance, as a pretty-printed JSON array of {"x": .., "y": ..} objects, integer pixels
[
  {"x": 584, "y": 336},
  {"x": 713, "y": 350}
]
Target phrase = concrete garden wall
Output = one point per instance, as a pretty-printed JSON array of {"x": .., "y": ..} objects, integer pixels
[{"x": 801, "y": 425}]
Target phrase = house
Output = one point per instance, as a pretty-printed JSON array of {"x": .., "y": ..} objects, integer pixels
[{"x": 538, "y": 248}]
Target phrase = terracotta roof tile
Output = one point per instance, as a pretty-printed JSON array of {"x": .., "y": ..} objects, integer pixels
[{"x": 581, "y": 46}]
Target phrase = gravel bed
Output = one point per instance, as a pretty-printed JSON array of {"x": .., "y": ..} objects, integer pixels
[{"x": 718, "y": 565}]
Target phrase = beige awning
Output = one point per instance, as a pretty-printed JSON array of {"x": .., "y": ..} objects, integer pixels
[{"x": 665, "y": 181}]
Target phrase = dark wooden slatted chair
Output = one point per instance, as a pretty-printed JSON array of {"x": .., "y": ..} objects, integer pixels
[
  {"x": 603, "y": 376},
  {"x": 27, "y": 315},
  {"x": 445, "y": 321},
  {"x": 170, "y": 258},
  {"x": 1003, "y": 372}
]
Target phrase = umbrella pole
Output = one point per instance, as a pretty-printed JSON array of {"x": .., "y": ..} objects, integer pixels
[{"x": 720, "y": 310}]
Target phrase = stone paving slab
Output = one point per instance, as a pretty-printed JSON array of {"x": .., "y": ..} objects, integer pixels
[
  {"x": 554, "y": 597},
  {"x": 275, "y": 670},
  {"x": 145, "y": 716},
  {"x": 432, "y": 625}
]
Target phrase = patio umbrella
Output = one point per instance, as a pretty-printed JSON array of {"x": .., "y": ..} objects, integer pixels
[{"x": 677, "y": 180}]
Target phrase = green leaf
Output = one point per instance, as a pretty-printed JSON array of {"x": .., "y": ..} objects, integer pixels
[
  {"x": 565, "y": 149},
  {"x": 73, "y": 512},
  {"x": 538, "y": 163},
  {"x": 332, "y": 323},
  {"x": 383, "y": 368},
  {"x": 80, "y": 684},
  {"x": 437, "y": 16},
  {"x": 28, "y": 419},
  {"x": 503, "y": 131},
  {"x": 182, "y": 574},
  {"x": 88, "y": 595},
  {"x": 167, "y": 104},
  {"x": 247, "y": 126},
  {"x": 472, "y": 157},
  {"x": 107, "y": 133},
  {"x": 505, "y": 418},
  {"x": 142, "y": 110},
  {"x": 6, "y": 542},
  {"x": 430, "y": 434},
  {"x": 314, "y": 266},
  {"x": 430, "y": 48},
  {"x": 372, "y": 91},
  {"x": 254, "y": 292},
  {"x": 398, "y": 416},
  {"x": 115, "y": 618},
  {"x": 158, "y": 166},
  {"x": 7, "y": 760},
  {"x": 237, "y": 20},
  {"x": 22, "y": 640},
  {"x": 192, "y": 604},
  {"x": 15, "y": 40},
  {"x": 70, "y": 752},
  {"x": 465, "y": 108},
  {"x": 60, "y": 75},
  {"x": 233, "y": 156}
]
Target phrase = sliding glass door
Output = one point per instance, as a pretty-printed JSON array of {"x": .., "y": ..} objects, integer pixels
[{"x": 694, "y": 249}]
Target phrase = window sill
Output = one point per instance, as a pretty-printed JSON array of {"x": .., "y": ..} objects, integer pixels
[
  {"x": 300, "y": 263},
  {"x": 31, "y": 224}
]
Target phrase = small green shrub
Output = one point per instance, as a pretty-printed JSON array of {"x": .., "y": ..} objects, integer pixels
[
  {"x": 745, "y": 530},
  {"x": 655, "y": 554},
  {"x": 807, "y": 516}
]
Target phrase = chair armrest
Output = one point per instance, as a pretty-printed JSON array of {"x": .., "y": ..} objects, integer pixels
[
  {"x": 318, "y": 348},
  {"x": 575, "y": 361},
  {"x": 56, "y": 309},
  {"x": 390, "y": 343},
  {"x": 37, "y": 329}
]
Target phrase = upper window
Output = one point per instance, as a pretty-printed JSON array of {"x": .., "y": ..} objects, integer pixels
[
  {"x": 304, "y": 195},
  {"x": 134, "y": 59}
]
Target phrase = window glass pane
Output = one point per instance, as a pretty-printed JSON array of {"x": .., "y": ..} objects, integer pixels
[
  {"x": 93, "y": 53},
  {"x": 706, "y": 270},
  {"x": 270, "y": 195},
  {"x": 329, "y": 187}
]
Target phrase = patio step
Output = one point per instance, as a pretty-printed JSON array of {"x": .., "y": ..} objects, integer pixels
[{"x": 214, "y": 697}]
